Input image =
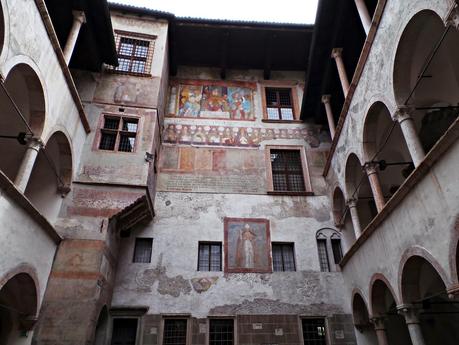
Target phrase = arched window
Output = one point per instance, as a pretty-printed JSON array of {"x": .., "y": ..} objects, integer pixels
[{"x": 329, "y": 250}]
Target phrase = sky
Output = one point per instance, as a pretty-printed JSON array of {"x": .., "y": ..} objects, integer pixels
[{"x": 284, "y": 11}]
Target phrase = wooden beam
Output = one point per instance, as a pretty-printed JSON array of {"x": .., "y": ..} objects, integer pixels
[
  {"x": 269, "y": 42},
  {"x": 224, "y": 42}
]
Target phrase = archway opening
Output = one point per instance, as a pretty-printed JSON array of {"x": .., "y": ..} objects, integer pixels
[
  {"x": 101, "y": 327},
  {"x": 51, "y": 176},
  {"x": 23, "y": 88},
  {"x": 384, "y": 145},
  {"x": 385, "y": 309},
  {"x": 358, "y": 188},
  {"x": 18, "y": 307},
  {"x": 365, "y": 330},
  {"x": 423, "y": 287},
  {"x": 426, "y": 75},
  {"x": 343, "y": 219}
]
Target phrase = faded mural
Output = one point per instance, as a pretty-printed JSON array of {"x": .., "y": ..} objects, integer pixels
[
  {"x": 247, "y": 245},
  {"x": 198, "y": 100}
]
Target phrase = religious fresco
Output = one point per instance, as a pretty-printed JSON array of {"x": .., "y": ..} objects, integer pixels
[
  {"x": 247, "y": 245},
  {"x": 235, "y": 136},
  {"x": 211, "y": 101}
]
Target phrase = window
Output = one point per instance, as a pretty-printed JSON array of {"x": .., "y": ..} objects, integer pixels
[
  {"x": 323, "y": 255},
  {"x": 142, "y": 250},
  {"x": 210, "y": 256},
  {"x": 279, "y": 104},
  {"x": 221, "y": 332},
  {"x": 124, "y": 331},
  {"x": 175, "y": 332},
  {"x": 118, "y": 133},
  {"x": 135, "y": 53},
  {"x": 283, "y": 257},
  {"x": 313, "y": 331},
  {"x": 287, "y": 170},
  {"x": 336, "y": 248}
]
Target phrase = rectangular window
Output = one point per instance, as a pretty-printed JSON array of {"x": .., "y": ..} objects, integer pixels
[
  {"x": 314, "y": 331},
  {"x": 279, "y": 105},
  {"x": 323, "y": 255},
  {"x": 337, "y": 251},
  {"x": 210, "y": 256},
  {"x": 118, "y": 133},
  {"x": 174, "y": 332},
  {"x": 142, "y": 250},
  {"x": 283, "y": 257},
  {"x": 221, "y": 332},
  {"x": 124, "y": 331},
  {"x": 287, "y": 170}
]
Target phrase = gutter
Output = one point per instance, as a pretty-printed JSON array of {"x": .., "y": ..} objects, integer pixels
[{"x": 60, "y": 57}]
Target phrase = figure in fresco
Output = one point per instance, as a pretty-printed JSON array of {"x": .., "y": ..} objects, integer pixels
[
  {"x": 199, "y": 137},
  {"x": 215, "y": 99},
  {"x": 214, "y": 136},
  {"x": 246, "y": 248},
  {"x": 242, "y": 138},
  {"x": 170, "y": 136},
  {"x": 190, "y": 101},
  {"x": 185, "y": 136},
  {"x": 227, "y": 137},
  {"x": 240, "y": 103}
]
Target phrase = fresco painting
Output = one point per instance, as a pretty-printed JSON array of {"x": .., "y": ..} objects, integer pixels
[
  {"x": 247, "y": 245},
  {"x": 212, "y": 101}
]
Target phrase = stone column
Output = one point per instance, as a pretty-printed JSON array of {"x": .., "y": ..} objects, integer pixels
[
  {"x": 352, "y": 205},
  {"x": 364, "y": 15},
  {"x": 412, "y": 321},
  {"x": 411, "y": 136},
  {"x": 380, "y": 329},
  {"x": 371, "y": 168},
  {"x": 337, "y": 55},
  {"x": 28, "y": 161},
  {"x": 78, "y": 19},
  {"x": 330, "y": 118}
]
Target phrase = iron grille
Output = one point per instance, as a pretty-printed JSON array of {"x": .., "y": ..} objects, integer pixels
[
  {"x": 314, "y": 331},
  {"x": 287, "y": 170},
  {"x": 323, "y": 255},
  {"x": 283, "y": 257},
  {"x": 142, "y": 250},
  {"x": 221, "y": 332},
  {"x": 174, "y": 332},
  {"x": 118, "y": 132},
  {"x": 210, "y": 257},
  {"x": 124, "y": 331},
  {"x": 279, "y": 105}
]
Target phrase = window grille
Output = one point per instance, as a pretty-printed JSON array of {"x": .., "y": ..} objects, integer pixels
[
  {"x": 287, "y": 170},
  {"x": 337, "y": 250},
  {"x": 283, "y": 257},
  {"x": 221, "y": 332},
  {"x": 314, "y": 331},
  {"x": 124, "y": 331},
  {"x": 279, "y": 105},
  {"x": 135, "y": 53},
  {"x": 142, "y": 250},
  {"x": 118, "y": 134},
  {"x": 323, "y": 255},
  {"x": 174, "y": 332},
  {"x": 210, "y": 257}
]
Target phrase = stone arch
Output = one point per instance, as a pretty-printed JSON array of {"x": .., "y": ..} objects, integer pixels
[
  {"x": 358, "y": 188},
  {"x": 19, "y": 298},
  {"x": 24, "y": 87},
  {"x": 382, "y": 278},
  {"x": 3, "y": 26},
  {"x": 433, "y": 95},
  {"x": 51, "y": 176},
  {"x": 454, "y": 254},
  {"x": 366, "y": 333},
  {"x": 339, "y": 206}
]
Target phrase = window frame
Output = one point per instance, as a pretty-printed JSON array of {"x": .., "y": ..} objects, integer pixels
[
  {"x": 328, "y": 235},
  {"x": 292, "y": 87},
  {"x": 269, "y": 172},
  {"x": 323, "y": 239},
  {"x": 282, "y": 244},
  {"x": 118, "y": 132},
  {"x": 208, "y": 243},
  {"x": 166, "y": 317},
  {"x": 135, "y": 247},
  {"x": 151, "y": 39},
  {"x": 302, "y": 318},
  {"x": 228, "y": 318}
]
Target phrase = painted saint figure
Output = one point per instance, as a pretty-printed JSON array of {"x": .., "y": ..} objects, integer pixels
[{"x": 246, "y": 247}]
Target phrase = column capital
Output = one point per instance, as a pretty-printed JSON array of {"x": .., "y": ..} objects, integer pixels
[
  {"x": 403, "y": 113},
  {"x": 453, "y": 292},
  {"x": 371, "y": 168},
  {"x": 352, "y": 202},
  {"x": 453, "y": 18},
  {"x": 410, "y": 312},
  {"x": 326, "y": 99},
  {"x": 337, "y": 53},
  {"x": 79, "y": 16},
  {"x": 378, "y": 322},
  {"x": 35, "y": 143}
]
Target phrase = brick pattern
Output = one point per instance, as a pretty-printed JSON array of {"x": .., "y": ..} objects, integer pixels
[{"x": 249, "y": 331}]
